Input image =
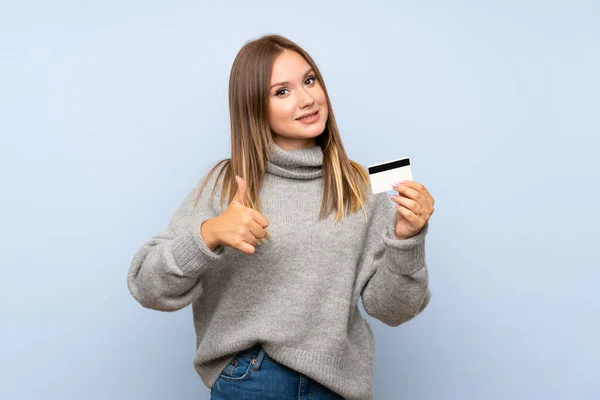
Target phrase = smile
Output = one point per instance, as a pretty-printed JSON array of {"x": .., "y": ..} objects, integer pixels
[{"x": 309, "y": 118}]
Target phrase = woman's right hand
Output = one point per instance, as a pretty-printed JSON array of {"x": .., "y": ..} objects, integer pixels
[{"x": 238, "y": 226}]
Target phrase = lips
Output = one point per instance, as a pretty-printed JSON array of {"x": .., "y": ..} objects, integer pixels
[{"x": 310, "y": 114}]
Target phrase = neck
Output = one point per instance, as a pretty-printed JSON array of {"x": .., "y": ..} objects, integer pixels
[
  {"x": 304, "y": 163},
  {"x": 294, "y": 144}
]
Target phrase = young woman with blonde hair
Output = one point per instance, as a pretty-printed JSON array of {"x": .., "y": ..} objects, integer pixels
[{"x": 275, "y": 266}]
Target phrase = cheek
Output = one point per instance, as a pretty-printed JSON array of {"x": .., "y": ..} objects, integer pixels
[
  {"x": 323, "y": 102},
  {"x": 278, "y": 115},
  {"x": 280, "y": 112},
  {"x": 274, "y": 113},
  {"x": 321, "y": 97}
]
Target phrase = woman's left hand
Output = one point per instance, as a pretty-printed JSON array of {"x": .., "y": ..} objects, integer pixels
[{"x": 414, "y": 205}]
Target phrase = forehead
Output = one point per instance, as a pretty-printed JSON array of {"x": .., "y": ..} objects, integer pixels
[{"x": 287, "y": 66}]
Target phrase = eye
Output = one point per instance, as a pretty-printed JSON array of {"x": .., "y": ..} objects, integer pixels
[
  {"x": 309, "y": 79},
  {"x": 281, "y": 92}
]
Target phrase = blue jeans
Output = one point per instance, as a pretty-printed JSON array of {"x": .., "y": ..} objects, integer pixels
[{"x": 253, "y": 375}]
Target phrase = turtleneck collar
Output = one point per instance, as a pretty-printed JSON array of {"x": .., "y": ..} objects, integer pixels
[{"x": 296, "y": 164}]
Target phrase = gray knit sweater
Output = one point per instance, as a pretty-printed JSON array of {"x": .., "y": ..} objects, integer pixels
[{"x": 298, "y": 293}]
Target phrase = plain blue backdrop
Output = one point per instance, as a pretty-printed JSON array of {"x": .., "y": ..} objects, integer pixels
[{"x": 111, "y": 111}]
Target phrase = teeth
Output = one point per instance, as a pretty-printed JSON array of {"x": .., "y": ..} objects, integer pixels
[{"x": 310, "y": 116}]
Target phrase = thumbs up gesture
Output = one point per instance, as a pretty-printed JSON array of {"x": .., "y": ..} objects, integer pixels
[
  {"x": 239, "y": 227},
  {"x": 242, "y": 187}
]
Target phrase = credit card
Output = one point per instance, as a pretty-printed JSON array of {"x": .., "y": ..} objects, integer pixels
[{"x": 385, "y": 174}]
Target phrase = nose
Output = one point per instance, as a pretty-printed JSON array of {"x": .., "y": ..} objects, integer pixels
[{"x": 305, "y": 99}]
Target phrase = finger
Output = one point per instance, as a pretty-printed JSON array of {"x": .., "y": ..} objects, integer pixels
[
  {"x": 419, "y": 187},
  {"x": 260, "y": 219},
  {"x": 240, "y": 194},
  {"x": 257, "y": 231},
  {"x": 428, "y": 195},
  {"x": 250, "y": 239},
  {"x": 423, "y": 190},
  {"x": 412, "y": 205},
  {"x": 409, "y": 215},
  {"x": 246, "y": 248},
  {"x": 407, "y": 190}
]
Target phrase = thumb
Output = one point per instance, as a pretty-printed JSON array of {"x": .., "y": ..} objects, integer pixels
[{"x": 242, "y": 186}]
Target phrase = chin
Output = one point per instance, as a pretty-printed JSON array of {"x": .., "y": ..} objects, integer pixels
[
  {"x": 312, "y": 134},
  {"x": 316, "y": 130}
]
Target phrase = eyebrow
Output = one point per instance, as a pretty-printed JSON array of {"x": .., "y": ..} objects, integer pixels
[{"x": 286, "y": 82}]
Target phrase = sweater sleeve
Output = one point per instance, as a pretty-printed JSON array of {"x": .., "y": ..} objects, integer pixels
[
  {"x": 166, "y": 271},
  {"x": 397, "y": 289}
]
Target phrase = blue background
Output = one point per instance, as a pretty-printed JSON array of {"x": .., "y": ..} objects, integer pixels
[{"x": 110, "y": 113}]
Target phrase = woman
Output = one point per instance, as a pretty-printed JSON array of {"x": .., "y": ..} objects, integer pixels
[{"x": 275, "y": 268}]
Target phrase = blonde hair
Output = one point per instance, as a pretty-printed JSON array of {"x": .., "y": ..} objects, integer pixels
[{"x": 345, "y": 181}]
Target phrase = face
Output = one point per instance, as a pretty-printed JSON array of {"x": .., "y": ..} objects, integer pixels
[{"x": 297, "y": 103}]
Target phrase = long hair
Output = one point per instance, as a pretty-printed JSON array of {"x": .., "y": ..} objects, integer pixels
[{"x": 345, "y": 181}]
